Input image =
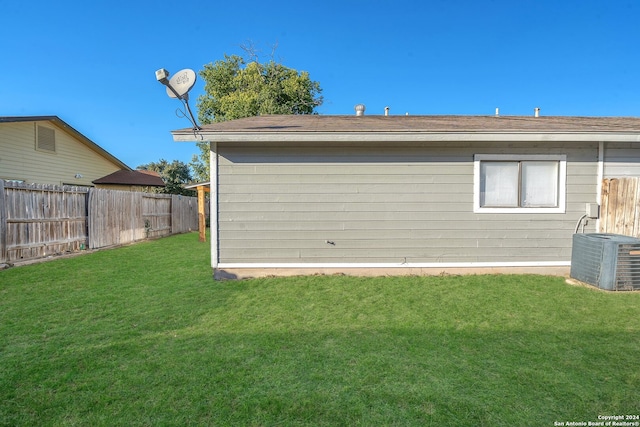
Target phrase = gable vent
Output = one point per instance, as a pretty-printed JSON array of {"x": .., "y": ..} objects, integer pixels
[{"x": 46, "y": 139}]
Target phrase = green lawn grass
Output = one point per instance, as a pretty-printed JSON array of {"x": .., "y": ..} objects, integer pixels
[{"x": 142, "y": 336}]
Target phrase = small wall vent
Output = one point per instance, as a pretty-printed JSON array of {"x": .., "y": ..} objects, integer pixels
[
  {"x": 608, "y": 261},
  {"x": 45, "y": 139}
]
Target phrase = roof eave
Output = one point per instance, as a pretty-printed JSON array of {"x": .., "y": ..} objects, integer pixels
[{"x": 407, "y": 136}]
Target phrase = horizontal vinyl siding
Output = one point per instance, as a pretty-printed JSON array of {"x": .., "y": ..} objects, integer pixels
[
  {"x": 404, "y": 204},
  {"x": 17, "y": 143},
  {"x": 621, "y": 159},
  {"x": 19, "y": 158}
]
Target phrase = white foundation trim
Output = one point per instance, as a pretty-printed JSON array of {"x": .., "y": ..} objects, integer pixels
[{"x": 398, "y": 265}]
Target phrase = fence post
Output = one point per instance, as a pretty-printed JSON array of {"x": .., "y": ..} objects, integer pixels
[
  {"x": 91, "y": 219},
  {"x": 3, "y": 223},
  {"x": 201, "y": 219}
]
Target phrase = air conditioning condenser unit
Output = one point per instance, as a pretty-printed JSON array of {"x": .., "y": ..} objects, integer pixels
[{"x": 608, "y": 261}]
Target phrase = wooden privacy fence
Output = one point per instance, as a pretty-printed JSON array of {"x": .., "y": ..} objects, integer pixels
[
  {"x": 118, "y": 217},
  {"x": 620, "y": 208},
  {"x": 38, "y": 220}
]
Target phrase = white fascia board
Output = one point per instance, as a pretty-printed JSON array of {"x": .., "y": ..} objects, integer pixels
[{"x": 405, "y": 137}]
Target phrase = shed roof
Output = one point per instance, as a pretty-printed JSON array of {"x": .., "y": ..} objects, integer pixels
[
  {"x": 198, "y": 184},
  {"x": 132, "y": 177}
]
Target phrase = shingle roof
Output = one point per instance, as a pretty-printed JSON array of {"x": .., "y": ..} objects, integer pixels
[
  {"x": 379, "y": 123},
  {"x": 135, "y": 177}
]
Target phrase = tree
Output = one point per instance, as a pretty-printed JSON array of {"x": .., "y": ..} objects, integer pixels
[
  {"x": 175, "y": 175},
  {"x": 234, "y": 92},
  {"x": 235, "y": 88},
  {"x": 200, "y": 164}
]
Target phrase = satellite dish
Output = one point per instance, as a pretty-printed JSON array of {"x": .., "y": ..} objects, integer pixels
[
  {"x": 181, "y": 83},
  {"x": 178, "y": 87}
]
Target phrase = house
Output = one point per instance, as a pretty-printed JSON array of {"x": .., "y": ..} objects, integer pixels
[
  {"x": 130, "y": 180},
  {"x": 46, "y": 150},
  {"x": 369, "y": 194}
]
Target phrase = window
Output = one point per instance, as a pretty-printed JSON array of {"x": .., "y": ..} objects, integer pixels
[{"x": 519, "y": 184}]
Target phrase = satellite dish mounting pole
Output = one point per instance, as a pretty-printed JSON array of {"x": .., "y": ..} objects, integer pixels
[{"x": 195, "y": 124}]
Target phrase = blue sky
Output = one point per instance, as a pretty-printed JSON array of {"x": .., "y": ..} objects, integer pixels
[{"x": 93, "y": 63}]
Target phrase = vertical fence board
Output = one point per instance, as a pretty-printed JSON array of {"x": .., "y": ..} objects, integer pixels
[
  {"x": 630, "y": 203},
  {"x": 605, "y": 208},
  {"x": 620, "y": 209},
  {"x": 621, "y": 205},
  {"x": 176, "y": 221}
]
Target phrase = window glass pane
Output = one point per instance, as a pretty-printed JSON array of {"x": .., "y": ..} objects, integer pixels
[
  {"x": 539, "y": 184},
  {"x": 499, "y": 184}
]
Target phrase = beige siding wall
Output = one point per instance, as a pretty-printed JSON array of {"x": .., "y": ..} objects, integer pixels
[
  {"x": 621, "y": 159},
  {"x": 352, "y": 203},
  {"x": 20, "y": 160}
]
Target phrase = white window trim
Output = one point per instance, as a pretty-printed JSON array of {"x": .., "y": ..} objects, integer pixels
[{"x": 562, "y": 184}]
